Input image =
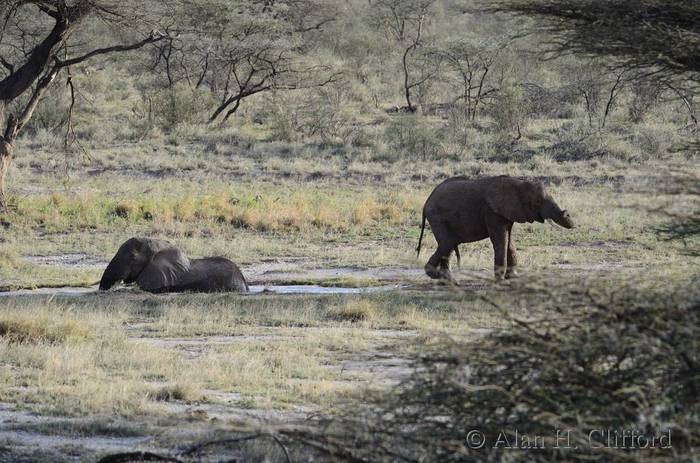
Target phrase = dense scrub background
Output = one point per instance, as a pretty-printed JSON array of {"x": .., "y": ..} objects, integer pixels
[{"x": 381, "y": 81}]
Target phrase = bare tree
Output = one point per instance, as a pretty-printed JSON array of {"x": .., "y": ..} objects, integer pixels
[
  {"x": 403, "y": 22},
  {"x": 469, "y": 65},
  {"x": 240, "y": 49},
  {"x": 41, "y": 38},
  {"x": 599, "y": 89}
]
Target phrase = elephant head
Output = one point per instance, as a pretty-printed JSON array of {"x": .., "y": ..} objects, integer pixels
[
  {"x": 523, "y": 201},
  {"x": 550, "y": 210},
  {"x": 153, "y": 264}
]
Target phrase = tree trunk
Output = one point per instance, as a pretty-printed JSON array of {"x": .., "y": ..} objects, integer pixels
[
  {"x": 6, "y": 150},
  {"x": 406, "y": 86},
  {"x": 18, "y": 83}
]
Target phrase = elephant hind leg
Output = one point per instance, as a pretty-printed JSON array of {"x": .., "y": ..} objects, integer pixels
[
  {"x": 438, "y": 266},
  {"x": 433, "y": 271},
  {"x": 512, "y": 257}
]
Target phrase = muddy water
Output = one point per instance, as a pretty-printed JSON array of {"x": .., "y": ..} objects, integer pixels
[
  {"x": 66, "y": 291},
  {"x": 69, "y": 291},
  {"x": 315, "y": 289}
]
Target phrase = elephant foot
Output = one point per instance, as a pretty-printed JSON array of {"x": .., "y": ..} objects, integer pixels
[
  {"x": 500, "y": 273},
  {"x": 439, "y": 273},
  {"x": 432, "y": 271},
  {"x": 446, "y": 276},
  {"x": 511, "y": 273}
]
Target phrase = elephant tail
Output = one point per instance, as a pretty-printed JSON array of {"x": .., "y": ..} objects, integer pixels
[
  {"x": 420, "y": 239},
  {"x": 459, "y": 258}
]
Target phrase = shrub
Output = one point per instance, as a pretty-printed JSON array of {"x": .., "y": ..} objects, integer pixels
[
  {"x": 181, "y": 104},
  {"x": 17, "y": 328},
  {"x": 590, "y": 363},
  {"x": 509, "y": 108},
  {"x": 354, "y": 311},
  {"x": 653, "y": 142},
  {"x": 180, "y": 391},
  {"x": 645, "y": 95},
  {"x": 412, "y": 136},
  {"x": 550, "y": 102}
]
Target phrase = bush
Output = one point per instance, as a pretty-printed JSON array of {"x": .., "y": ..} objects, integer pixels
[
  {"x": 589, "y": 363},
  {"x": 354, "y": 311},
  {"x": 509, "y": 108},
  {"x": 574, "y": 142},
  {"x": 645, "y": 95},
  {"x": 20, "y": 328},
  {"x": 181, "y": 104},
  {"x": 653, "y": 142},
  {"x": 555, "y": 103},
  {"x": 412, "y": 136},
  {"x": 52, "y": 114}
]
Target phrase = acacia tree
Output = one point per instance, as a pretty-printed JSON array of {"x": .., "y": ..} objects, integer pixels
[
  {"x": 240, "y": 49},
  {"x": 469, "y": 66},
  {"x": 39, "y": 39},
  {"x": 403, "y": 22},
  {"x": 662, "y": 36}
]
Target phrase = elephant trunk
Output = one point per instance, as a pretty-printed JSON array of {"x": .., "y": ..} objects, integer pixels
[
  {"x": 111, "y": 275},
  {"x": 551, "y": 210}
]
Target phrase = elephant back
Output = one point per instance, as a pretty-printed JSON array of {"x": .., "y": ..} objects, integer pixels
[
  {"x": 445, "y": 189},
  {"x": 165, "y": 270},
  {"x": 213, "y": 274}
]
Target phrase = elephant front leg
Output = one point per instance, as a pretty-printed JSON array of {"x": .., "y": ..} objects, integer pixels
[
  {"x": 512, "y": 258},
  {"x": 499, "y": 240}
]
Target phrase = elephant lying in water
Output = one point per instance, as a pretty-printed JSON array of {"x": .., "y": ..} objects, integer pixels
[
  {"x": 463, "y": 210},
  {"x": 158, "y": 267}
]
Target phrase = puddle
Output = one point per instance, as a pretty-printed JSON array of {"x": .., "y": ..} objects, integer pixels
[
  {"x": 34, "y": 440},
  {"x": 315, "y": 289},
  {"x": 70, "y": 291},
  {"x": 278, "y": 273},
  {"x": 66, "y": 291},
  {"x": 20, "y": 442}
]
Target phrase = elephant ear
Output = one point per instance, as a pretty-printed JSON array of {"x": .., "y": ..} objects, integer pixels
[
  {"x": 516, "y": 200},
  {"x": 165, "y": 269}
]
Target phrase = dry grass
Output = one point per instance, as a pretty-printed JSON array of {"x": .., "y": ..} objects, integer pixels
[
  {"x": 275, "y": 210},
  {"x": 135, "y": 356},
  {"x": 181, "y": 392},
  {"x": 374, "y": 226},
  {"x": 42, "y": 327},
  {"x": 354, "y": 311}
]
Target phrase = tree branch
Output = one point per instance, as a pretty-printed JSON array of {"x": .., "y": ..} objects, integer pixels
[
  {"x": 153, "y": 38},
  {"x": 7, "y": 65}
]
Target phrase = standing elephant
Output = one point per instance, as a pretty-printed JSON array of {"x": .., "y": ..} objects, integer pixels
[
  {"x": 463, "y": 210},
  {"x": 158, "y": 267}
]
